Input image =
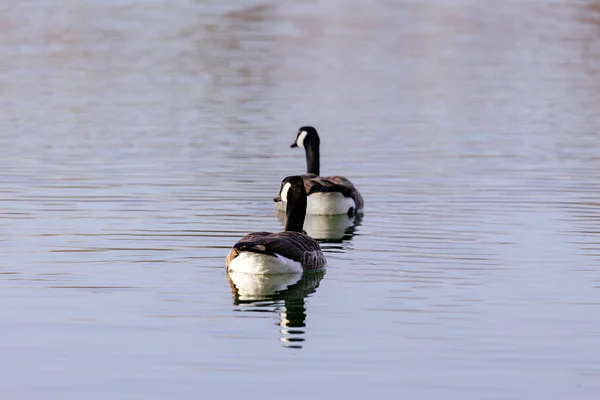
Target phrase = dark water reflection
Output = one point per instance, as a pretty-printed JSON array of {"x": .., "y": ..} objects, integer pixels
[
  {"x": 140, "y": 140},
  {"x": 283, "y": 295}
]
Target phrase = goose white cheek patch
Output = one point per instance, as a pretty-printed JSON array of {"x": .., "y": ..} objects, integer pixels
[
  {"x": 284, "y": 191},
  {"x": 300, "y": 140}
]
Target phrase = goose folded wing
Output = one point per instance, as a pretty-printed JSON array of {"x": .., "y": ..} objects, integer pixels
[
  {"x": 349, "y": 190},
  {"x": 291, "y": 245},
  {"x": 316, "y": 184}
]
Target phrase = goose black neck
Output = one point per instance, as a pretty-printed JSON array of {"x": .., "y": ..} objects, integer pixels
[
  {"x": 295, "y": 212},
  {"x": 312, "y": 158}
]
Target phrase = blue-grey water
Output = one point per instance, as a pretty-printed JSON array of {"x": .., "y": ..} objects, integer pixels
[{"x": 140, "y": 139}]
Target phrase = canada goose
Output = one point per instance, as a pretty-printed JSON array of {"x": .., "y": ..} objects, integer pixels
[
  {"x": 327, "y": 195},
  {"x": 285, "y": 252}
]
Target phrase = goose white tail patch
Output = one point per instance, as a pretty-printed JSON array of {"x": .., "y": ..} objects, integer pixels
[
  {"x": 328, "y": 203},
  {"x": 262, "y": 264},
  {"x": 285, "y": 190},
  {"x": 301, "y": 137}
]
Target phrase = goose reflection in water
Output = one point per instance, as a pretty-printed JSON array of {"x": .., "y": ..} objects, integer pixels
[
  {"x": 283, "y": 294},
  {"x": 327, "y": 228}
]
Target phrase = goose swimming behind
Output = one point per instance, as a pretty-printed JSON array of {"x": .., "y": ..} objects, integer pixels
[
  {"x": 327, "y": 195},
  {"x": 285, "y": 252}
]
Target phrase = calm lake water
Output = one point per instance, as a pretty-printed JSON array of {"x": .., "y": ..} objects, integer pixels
[{"x": 140, "y": 139}]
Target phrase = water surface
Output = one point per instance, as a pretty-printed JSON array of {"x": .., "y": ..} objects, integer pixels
[{"x": 140, "y": 140}]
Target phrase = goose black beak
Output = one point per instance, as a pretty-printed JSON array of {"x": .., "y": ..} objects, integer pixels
[
  {"x": 277, "y": 199},
  {"x": 294, "y": 145}
]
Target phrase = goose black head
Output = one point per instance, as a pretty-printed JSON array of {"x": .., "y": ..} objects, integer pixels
[
  {"x": 293, "y": 193},
  {"x": 292, "y": 188},
  {"x": 308, "y": 138},
  {"x": 306, "y": 135}
]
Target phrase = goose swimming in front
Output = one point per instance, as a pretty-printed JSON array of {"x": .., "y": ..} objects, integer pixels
[
  {"x": 327, "y": 195},
  {"x": 287, "y": 252}
]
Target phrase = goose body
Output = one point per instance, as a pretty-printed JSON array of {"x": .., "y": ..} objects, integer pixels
[
  {"x": 287, "y": 252},
  {"x": 327, "y": 195}
]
